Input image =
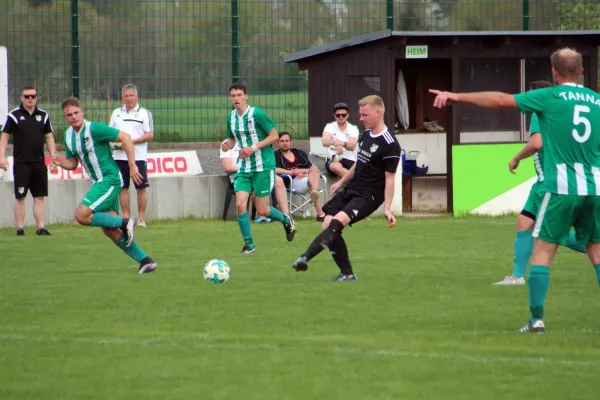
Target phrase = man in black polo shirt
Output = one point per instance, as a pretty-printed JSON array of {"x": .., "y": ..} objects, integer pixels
[{"x": 30, "y": 127}]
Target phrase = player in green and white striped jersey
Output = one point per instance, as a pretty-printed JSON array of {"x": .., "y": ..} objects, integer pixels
[
  {"x": 569, "y": 117},
  {"x": 524, "y": 240},
  {"x": 88, "y": 142},
  {"x": 255, "y": 133}
]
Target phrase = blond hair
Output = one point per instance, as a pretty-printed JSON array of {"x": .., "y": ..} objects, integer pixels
[{"x": 373, "y": 101}]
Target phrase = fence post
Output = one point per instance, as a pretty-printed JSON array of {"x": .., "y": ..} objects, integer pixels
[
  {"x": 75, "y": 47},
  {"x": 235, "y": 49},
  {"x": 525, "y": 15},
  {"x": 390, "y": 14}
]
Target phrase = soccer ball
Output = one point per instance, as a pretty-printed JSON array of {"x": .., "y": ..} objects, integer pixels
[
  {"x": 216, "y": 271},
  {"x": 332, "y": 154}
]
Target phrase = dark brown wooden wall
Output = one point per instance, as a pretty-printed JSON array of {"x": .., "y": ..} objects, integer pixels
[
  {"x": 328, "y": 72},
  {"x": 327, "y": 78}
]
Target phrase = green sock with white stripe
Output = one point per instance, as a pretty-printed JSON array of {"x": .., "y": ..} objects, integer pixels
[
  {"x": 134, "y": 251},
  {"x": 277, "y": 215},
  {"x": 106, "y": 220},
  {"x": 597, "y": 269}
]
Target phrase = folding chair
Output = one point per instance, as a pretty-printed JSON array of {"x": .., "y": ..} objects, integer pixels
[
  {"x": 297, "y": 201},
  {"x": 229, "y": 195}
]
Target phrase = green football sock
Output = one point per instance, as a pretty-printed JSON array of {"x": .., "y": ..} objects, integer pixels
[
  {"x": 523, "y": 250},
  {"x": 573, "y": 245},
  {"x": 539, "y": 281},
  {"x": 597, "y": 268},
  {"x": 132, "y": 251},
  {"x": 244, "y": 224},
  {"x": 106, "y": 220},
  {"x": 277, "y": 215}
]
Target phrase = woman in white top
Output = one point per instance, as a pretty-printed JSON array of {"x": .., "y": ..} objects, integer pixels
[{"x": 344, "y": 137}]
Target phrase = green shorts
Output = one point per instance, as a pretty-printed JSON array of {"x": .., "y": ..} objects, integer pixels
[
  {"x": 559, "y": 212},
  {"x": 261, "y": 183},
  {"x": 102, "y": 197},
  {"x": 536, "y": 195}
]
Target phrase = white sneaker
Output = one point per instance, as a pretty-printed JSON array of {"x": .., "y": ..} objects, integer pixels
[
  {"x": 510, "y": 280},
  {"x": 141, "y": 224}
]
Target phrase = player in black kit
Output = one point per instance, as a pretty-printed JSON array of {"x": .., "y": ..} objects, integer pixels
[{"x": 370, "y": 182}]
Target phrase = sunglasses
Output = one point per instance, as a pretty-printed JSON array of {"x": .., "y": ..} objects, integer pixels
[
  {"x": 341, "y": 115},
  {"x": 29, "y": 96}
]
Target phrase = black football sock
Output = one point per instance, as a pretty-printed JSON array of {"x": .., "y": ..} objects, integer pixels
[
  {"x": 324, "y": 239},
  {"x": 339, "y": 252}
]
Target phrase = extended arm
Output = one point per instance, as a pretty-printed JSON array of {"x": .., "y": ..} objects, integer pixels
[
  {"x": 533, "y": 146},
  {"x": 481, "y": 99}
]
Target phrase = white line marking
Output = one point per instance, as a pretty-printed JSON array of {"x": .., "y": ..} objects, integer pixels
[{"x": 204, "y": 341}]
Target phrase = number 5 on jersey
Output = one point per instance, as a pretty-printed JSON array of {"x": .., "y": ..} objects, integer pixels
[{"x": 580, "y": 119}]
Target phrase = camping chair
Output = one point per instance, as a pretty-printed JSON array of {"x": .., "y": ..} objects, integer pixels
[{"x": 297, "y": 201}]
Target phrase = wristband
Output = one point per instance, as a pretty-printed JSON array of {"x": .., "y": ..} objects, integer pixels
[{"x": 254, "y": 148}]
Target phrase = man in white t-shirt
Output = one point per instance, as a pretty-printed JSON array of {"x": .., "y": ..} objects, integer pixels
[
  {"x": 230, "y": 166},
  {"x": 344, "y": 137},
  {"x": 137, "y": 122}
]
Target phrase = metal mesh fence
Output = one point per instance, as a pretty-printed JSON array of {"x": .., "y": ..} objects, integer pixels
[{"x": 183, "y": 54}]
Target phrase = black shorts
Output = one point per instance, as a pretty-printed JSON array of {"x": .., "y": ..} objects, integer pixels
[
  {"x": 345, "y": 163},
  {"x": 30, "y": 177},
  {"x": 124, "y": 168},
  {"x": 356, "y": 205}
]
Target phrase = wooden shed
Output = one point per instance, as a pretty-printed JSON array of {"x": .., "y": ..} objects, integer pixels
[{"x": 392, "y": 63}]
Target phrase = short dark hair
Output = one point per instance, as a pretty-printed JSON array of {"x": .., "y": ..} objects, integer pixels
[
  {"x": 340, "y": 106},
  {"x": 539, "y": 84},
  {"x": 70, "y": 101},
  {"x": 238, "y": 86},
  {"x": 28, "y": 87},
  {"x": 284, "y": 133}
]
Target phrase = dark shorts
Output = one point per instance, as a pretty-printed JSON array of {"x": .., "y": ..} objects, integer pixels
[
  {"x": 356, "y": 205},
  {"x": 345, "y": 163},
  {"x": 124, "y": 168},
  {"x": 31, "y": 177}
]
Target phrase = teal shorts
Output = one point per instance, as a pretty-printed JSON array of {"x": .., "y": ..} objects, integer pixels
[
  {"x": 102, "y": 197},
  {"x": 558, "y": 213},
  {"x": 532, "y": 205},
  {"x": 261, "y": 183}
]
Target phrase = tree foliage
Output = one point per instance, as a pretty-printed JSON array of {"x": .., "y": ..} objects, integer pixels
[{"x": 180, "y": 47}]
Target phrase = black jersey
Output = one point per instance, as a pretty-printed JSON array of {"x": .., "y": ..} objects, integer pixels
[
  {"x": 29, "y": 133},
  {"x": 376, "y": 155}
]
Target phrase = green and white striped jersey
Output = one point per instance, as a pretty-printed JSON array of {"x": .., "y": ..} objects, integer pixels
[
  {"x": 248, "y": 129},
  {"x": 569, "y": 118},
  {"x": 538, "y": 158},
  {"x": 90, "y": 146}
]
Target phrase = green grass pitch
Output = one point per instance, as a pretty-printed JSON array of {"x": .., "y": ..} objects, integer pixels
[{"x": 422, "y": 322}]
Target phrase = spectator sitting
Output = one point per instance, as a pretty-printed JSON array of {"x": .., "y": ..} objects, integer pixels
[
  {"x": 230, "y": 166},
  {"x": 344, "y": 137},
  {"x": 295, "y": 163}
]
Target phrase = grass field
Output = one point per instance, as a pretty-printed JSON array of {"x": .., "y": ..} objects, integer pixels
[
  {"x": 423, "y": 321},
  {"x": 198, "y": 119}
]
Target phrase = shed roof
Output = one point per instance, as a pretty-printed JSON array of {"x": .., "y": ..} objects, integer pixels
[{"x": 375, "y": 36}]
